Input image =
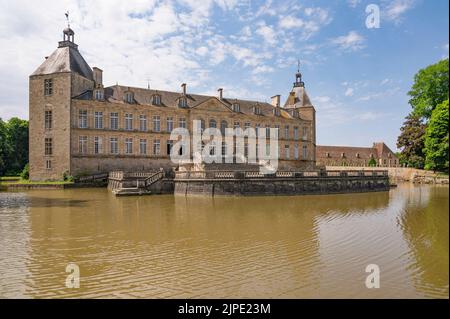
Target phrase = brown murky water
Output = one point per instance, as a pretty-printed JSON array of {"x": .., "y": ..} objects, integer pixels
[{"x": 260, "y": 247}]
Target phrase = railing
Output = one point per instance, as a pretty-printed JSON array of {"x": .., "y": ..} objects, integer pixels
[
  {"x": 279, "y": 174},
  {"x": 91, "y": 178},
  {"x": 153, "y": 179}
]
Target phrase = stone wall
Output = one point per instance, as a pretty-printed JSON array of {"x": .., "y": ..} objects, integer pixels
[
  {"x": 296, "y": 185},
  {"x": 402, "y": 174},
  {"x": 59, "y": 104}
]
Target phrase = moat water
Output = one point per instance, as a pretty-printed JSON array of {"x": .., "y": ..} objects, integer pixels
[{"x": 258, "y": 247}]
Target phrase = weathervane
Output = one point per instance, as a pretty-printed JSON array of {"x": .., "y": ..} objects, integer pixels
[
  {"x": 298, "y": 65},
  {"x": 67, "y": 18}
]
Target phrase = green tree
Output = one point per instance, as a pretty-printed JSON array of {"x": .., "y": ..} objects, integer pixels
[
  {"x": 17, "y": 140},
  {"x": 411, "y": 142},
  {"x": 372, "y": 162},
  {"x": 436, "y": 139},
  {"x": 4, "y": 148},
  {"x": 430, "y": 89}
]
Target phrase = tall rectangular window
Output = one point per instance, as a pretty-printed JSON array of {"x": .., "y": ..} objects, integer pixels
[
  {"x": 305, "y": 133},
  {"x": 114, "y": 145},
  {"x": 82, "y": 144},
  {"x": 98, "y": 147},
  {"x": 114, "y": 121},
  {"x": 156, "y": 147},
  {"x": 296, "y": 133},
  {"x": 286, "y": 132},
  {"x": 48, "y": 146},
  {"x": 182, "y": 123},
  {"x": 98, "y": 120},
  {"x": 48, "y": 87},
  {"x": 156, "y": 123},
  {"x": 169, "y": 147},
  {"x": 287, "y": 153},
  {"x": 128, "y": 146},
  {"x": 296, "y": 151},
  {"x": 48, "y": 120},
  {"x": 48, "y": 164},
  {"x": 143, "y": 147},
  {"x": 128, "y": 121},
  {"x": 169, "y": 124},
  {"x": 82, "y": 119},
  {"x": 305, "y": 152},
  {"x": 143, "y": 123}
]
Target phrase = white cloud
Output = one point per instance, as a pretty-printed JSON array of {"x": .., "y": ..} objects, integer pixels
[
  {"x": 368, "y": 116},
  {"x": 290, "y": 22},
  {"x": 385, "y": 81},
  {"x": 349, "y": 92},
  {"x": 353, "y": 3},
  {"x": 263, "y": 69},
  {"x": 267, "y": 33},
  {"x": 394, "y": 9},
  {"x": 353, "y": 41}
]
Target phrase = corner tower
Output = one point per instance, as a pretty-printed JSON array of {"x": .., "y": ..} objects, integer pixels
[
  {"x": 298, "y": 102},
  {"x": 63, "y": 75}
]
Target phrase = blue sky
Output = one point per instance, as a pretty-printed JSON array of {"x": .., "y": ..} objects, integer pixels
[{"x": 357, "y": 78}]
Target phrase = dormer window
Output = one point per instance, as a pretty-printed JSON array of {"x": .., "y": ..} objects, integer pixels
[
  {"x": 295, "y": 114},
  {"x": 343, "y": 155},
  {"x": 182, "y": 102},
  {"x": 156, "y": 99},
  {"x": 98, "y": 95},
  {"x": 327, "y": 155},
  {"x": 236, "y": 107},
  {"x": 129, "y": 98},
  {"x": 357, "y": 155},
  {"x": 276, "y": 112},
  {"x": 257, "y": 110}
]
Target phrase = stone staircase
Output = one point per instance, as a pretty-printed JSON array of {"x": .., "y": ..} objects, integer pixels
[{"x": 132, "y": 184}]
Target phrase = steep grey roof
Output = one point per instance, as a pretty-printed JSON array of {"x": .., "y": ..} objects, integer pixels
[
  {"x": 298, "y": 98},
  {"x": 65, "y": 59},
  {"x": 115, "y": 94}
]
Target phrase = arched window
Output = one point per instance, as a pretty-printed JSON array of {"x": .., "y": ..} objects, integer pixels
[{"x": 212, "y": 123}]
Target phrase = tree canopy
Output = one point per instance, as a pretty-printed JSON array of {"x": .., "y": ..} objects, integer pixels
[
  {"x": 411, "y": 142},
  {"x": 430, "y": 89},
  {"x": 13, "y": 146},
  {"x": 436, "y": 139},
  {"x": 423, "y": 140}
]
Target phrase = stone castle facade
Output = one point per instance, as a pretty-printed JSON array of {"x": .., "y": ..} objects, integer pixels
[
  {"x": 379, "y": 155},
  {"x": 80, "y": 127}
]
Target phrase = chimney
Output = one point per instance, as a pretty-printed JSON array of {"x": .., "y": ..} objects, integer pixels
[
  {"x": 276, "y": 100},
  {"x": 183, "y": 86},
  {"x": 98, "y": 76},
  {"x": 220, "y": 93}
]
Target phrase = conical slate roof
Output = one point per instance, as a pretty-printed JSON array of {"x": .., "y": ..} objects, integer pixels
[{"x": 66, "y": 58}]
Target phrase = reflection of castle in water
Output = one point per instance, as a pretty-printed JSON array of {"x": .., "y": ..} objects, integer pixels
[
  {"x": 425, "y": 227},
  {"x": 181, "y": 247}
]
